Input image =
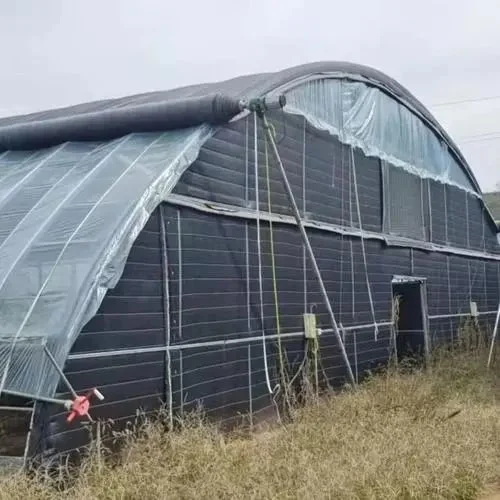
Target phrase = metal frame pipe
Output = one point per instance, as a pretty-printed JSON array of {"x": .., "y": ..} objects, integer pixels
[
  {"x": 63, "y": 402},
  {"x": 461, "y": 315},
  {"x": 213, "y": 343}
]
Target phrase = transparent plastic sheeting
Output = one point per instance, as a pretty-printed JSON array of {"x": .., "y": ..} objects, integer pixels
[
  {"x": 68, "y": 218},
  {"x": 365, "y": 117}
]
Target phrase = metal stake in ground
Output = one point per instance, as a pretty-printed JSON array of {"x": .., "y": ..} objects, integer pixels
[{"x": 307, "y": 244}]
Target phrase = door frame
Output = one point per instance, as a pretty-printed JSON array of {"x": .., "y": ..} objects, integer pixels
[{"x": 422, "y": 282}]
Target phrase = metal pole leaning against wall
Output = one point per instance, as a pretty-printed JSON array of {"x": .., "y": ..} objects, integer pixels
[
  {"x": 260, "y": 106},
  {"x": 494, "y": 336}
]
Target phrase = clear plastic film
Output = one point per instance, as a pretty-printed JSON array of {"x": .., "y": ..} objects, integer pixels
[
  {"x": 68, "y": 218},
  {"x": 366, "y": 117}
]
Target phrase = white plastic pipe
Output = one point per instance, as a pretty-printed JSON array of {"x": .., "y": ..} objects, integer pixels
[{"x": 493, "y": 338}]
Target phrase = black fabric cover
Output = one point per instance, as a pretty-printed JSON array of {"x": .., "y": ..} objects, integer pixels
[{"x": 117, "y": 122}]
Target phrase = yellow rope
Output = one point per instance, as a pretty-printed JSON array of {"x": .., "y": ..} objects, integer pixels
[
  {"x": 313, "y": 346},
  {"x": 273, "y": 267}
]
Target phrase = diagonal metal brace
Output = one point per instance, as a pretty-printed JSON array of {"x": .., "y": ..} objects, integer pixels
[
  {"x": 60, "y": 371},
  {"x": 260, "y": 109}
]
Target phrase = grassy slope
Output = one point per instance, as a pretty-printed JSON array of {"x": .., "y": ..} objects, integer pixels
[
  {"x": 399, "y": 436},
  {"x": 493, "y": 201}
]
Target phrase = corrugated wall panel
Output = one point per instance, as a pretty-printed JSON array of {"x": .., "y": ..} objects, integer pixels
[
  {"x": 478, "y": 283},
  {"x": 456, "y": 212},
  {"x": 460, "y": 285},
  {"x": 438, "y": 212},
  {"x": 492, "y": 286},
  {"x": 434, "y": 267},
  {"x": 476, "y": 223},
  {"x": 219, "y": 173},
  {"x": 369, "y": 180}
]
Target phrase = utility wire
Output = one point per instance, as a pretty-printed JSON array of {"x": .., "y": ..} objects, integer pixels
[
  {"x": 486, "y": 136},
  {"x": 484, "y": 139},
  {"x": 465, "y": 101},
  {"x": 469, "y": 139},
  {"x": 479, "y": 136}
]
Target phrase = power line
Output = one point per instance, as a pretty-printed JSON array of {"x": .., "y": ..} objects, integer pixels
[
  {"x": 482, "y": 134},
  {"x": 465, "y": 101},
  {"x": 485, "y": 136},
  {"x": 484, "y": 139}
]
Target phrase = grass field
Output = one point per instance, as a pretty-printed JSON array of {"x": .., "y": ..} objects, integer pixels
[{"x": 404, "y": 434}]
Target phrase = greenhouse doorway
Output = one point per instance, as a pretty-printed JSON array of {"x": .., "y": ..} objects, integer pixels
[
  {"x": 410, "y": 318},
  {"x": 16, "y": 416}
]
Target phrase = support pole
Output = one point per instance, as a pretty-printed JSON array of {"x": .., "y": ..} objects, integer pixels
[
  {"x": 62, "y": 402},
  {"x": 60, "y": 372},
  {"x": 166, "y": 319},
  {"x": 494, "y": 336},
  {"x": 307, "y": 244}
]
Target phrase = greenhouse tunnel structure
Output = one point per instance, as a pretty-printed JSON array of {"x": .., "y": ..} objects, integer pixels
[{"x": 148, "y": 248}]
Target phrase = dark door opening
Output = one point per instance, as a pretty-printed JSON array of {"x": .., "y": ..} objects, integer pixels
[
  {"x": 409, "y": 316},
  {"x": 15, "y": 420}
]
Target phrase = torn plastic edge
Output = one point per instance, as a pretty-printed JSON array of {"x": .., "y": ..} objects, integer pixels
[
  {"x": 436, "y": 127},
  {"x": 375, "y": 152},
  {"x": 372, "y": 151},
  {"x": 442, "y": 135}
]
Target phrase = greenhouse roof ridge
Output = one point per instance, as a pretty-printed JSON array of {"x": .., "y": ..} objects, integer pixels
[{"x": 188, "y": 106}]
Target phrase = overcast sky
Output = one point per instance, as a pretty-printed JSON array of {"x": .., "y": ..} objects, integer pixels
[{"x": 60, "y": 52}]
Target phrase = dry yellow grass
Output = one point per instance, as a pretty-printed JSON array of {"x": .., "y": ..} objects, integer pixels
[{"x": 433, "y": 434}]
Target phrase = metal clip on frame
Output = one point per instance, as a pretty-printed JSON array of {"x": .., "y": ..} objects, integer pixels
[{"x": 260, "y": 106}]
